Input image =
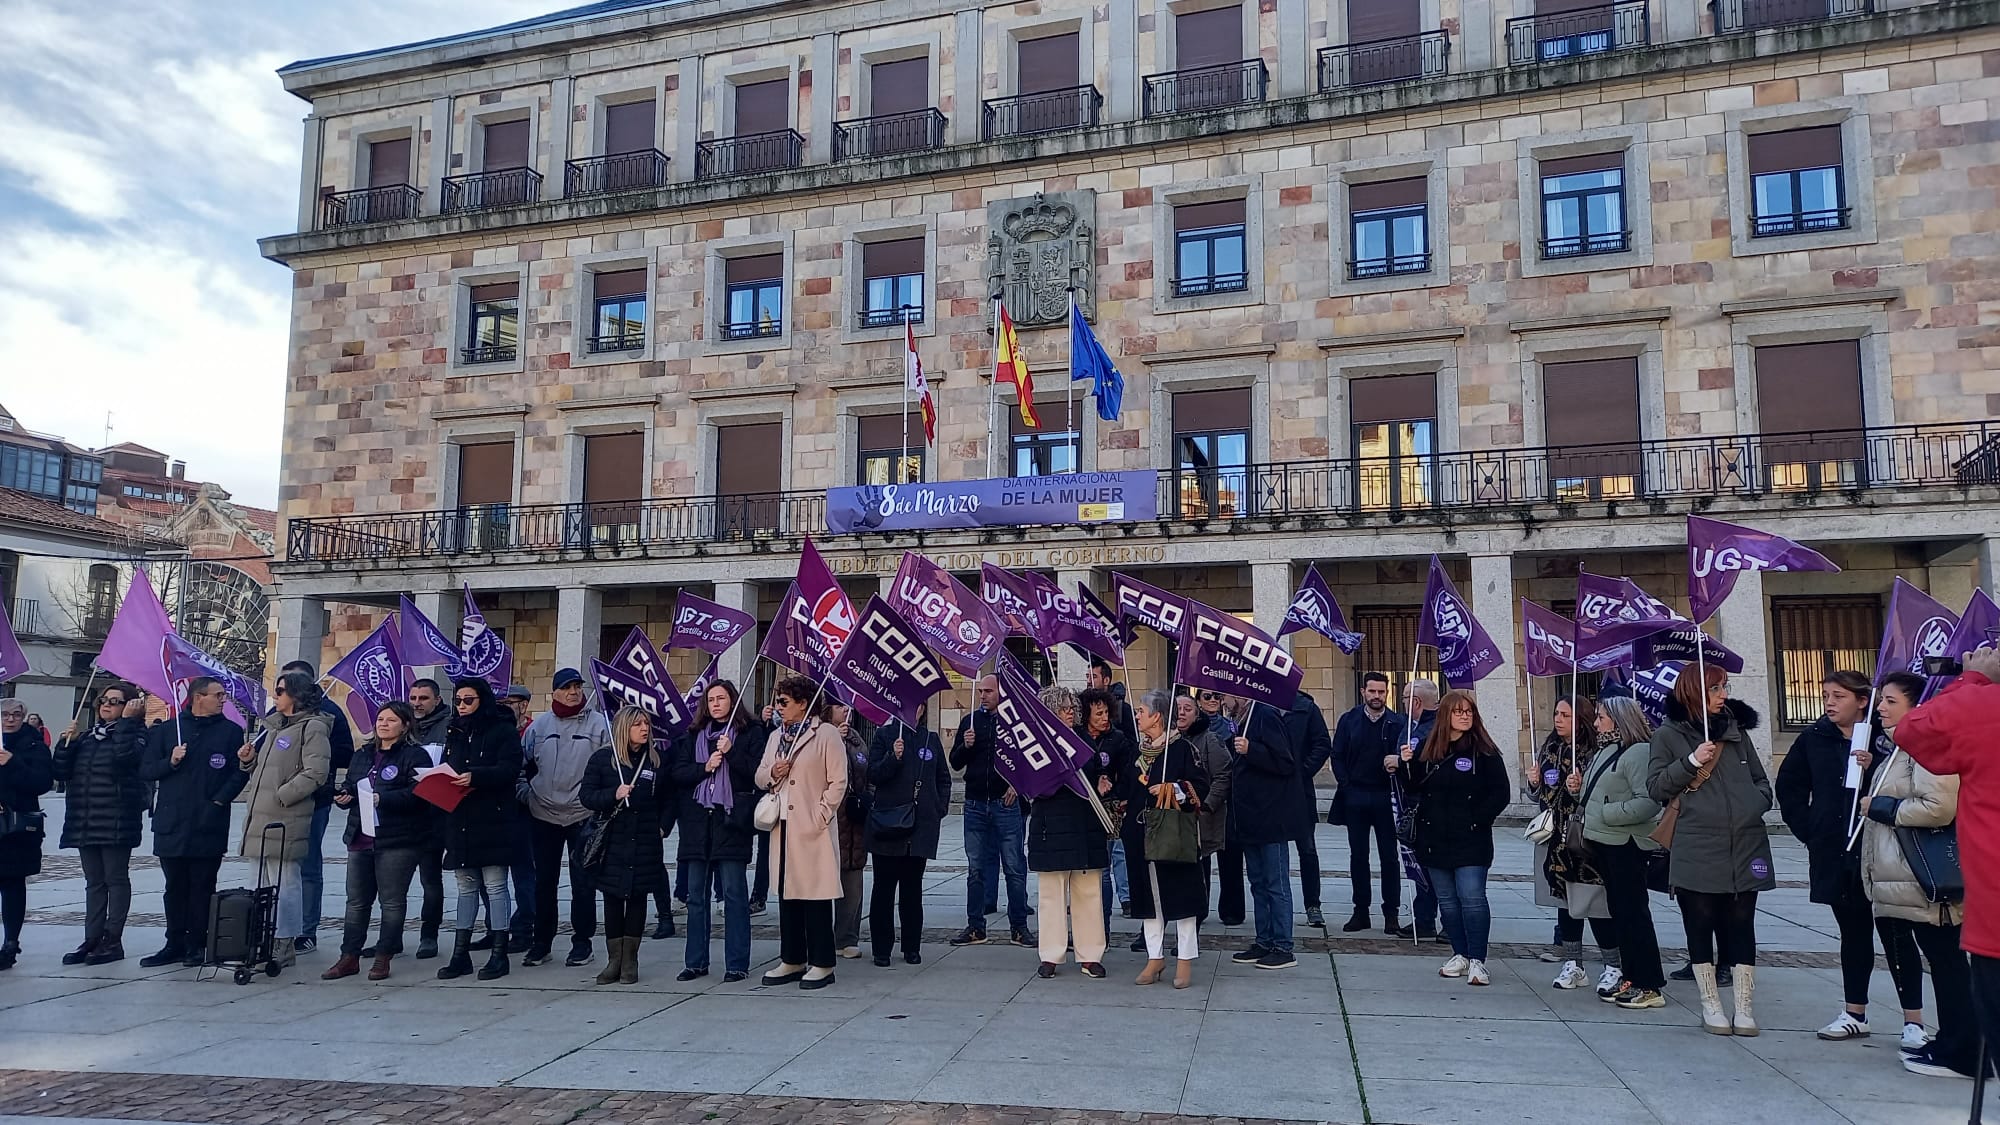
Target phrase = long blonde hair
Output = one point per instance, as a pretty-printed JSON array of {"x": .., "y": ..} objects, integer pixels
[{"x": 621, "y": 736}]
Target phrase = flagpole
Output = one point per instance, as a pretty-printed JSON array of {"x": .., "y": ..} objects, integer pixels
[
  {"x": 1701, "y": 683},
  {"x": 1069, "y": 393},
  {"x": 1853, "y": 779},
  {"x": 897, "y": 476},
  {"x": 993, "y": 394}
]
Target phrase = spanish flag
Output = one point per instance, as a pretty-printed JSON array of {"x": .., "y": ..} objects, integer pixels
[
  {"x": 915, "y": 383},
  {"x": 1011, "y": 367}
]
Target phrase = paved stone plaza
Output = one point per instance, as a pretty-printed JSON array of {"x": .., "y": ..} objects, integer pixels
[{"x": 1362, "y": 1031}]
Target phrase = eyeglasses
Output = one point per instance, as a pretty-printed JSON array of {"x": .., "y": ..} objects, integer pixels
[
  {"x": 111, "y": 701},
  {"x": 466, "y": 700},
  {"x": 279, "y": 690},
  {"x": 781, "y": 701},
  {"x": 1210, "y": 697}
]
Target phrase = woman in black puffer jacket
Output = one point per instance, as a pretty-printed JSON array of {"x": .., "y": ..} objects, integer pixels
[
  {"x": 381, "y": 864},
  {"x": 98, "y": 765},
  {"x": 483, "y": 746},
  {"x": 627, "y": 782},
  {"x": 907, "y": 768},
  {"x": 1068, "y": 851}
]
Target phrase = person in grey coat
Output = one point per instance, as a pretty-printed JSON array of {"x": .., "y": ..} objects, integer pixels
[
  {"x": 556, "y": 752},
  {"x": 289, "y": 757},
  {"x": 1721, "y": 852}
]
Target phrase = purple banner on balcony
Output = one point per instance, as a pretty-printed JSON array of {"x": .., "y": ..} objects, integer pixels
[{"x": 1003, "y": 502}]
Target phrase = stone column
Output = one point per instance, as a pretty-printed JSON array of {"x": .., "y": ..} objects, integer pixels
[
  {"x": 301, "y": 631},
  {"x": 1988, "y": 574},
  {"x": 1071, "y": 665},
  {"x": 1270, "y": 594},
  {"x": 1475, "y": 50},
  {"x": 1490, "y": 595},
  {"x": 579, "y": 624},
  {"x": 1121, "y": 100},
  {"x": 738, "y": 661},
  {"x": 825, "y": 96},
  {"x": 968, "y": 64},
  {"x": 310, "y": 163},
  {"x": 438, "y": 163},
  {"x": 1740, "y": 625},
  {"x": 1295, "y": 50},
  {"x": 687, "y": 117}
]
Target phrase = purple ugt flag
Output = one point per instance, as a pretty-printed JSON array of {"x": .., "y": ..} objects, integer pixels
[
  {"x": 1064, "y": 620},
  {"x": 1466, "y": 654},
  {"x": 423, "y": 644},
  {"x": 133, "y": 648},
  {"x": 185, "y": 662},
  {"x": 485, "y": 654},
  {"x": 1011, "y": 597},
  {"x": 950, "y": 619},
  {"x": 1918, "y": 626},
  {"x": 706, "y": 625},
  {"x": 1614, "y": 611},
  {"x": 1142, "y": 603},
  {"x": 885, "y": 664},
  {"x": 638, "y": 657},
  {"x": 1030, "y": 749},
  {"x": 1548, "y": 643},
  {"x": 617, "y": 687},
  {"x": 1222, "y": 652},
  {"x": 1718, "y": 552},
  {"x": 13, "y": 662},
  {"x": 1313, "y": 608},
  {"x": 1979, "y": 626},
  {"x": 373, "y": 672}
]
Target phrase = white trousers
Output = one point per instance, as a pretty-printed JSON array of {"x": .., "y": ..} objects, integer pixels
[{"x": 1184, "y": 938}]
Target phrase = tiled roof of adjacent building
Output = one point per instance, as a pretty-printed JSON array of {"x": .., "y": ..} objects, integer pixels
[
  {"x": 567, "y": 15},
  {"x": 24, "y": 508}
]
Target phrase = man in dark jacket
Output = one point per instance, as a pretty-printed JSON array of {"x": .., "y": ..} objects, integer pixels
[
  {"x": 312, "y": 870},
  {"x": 1264, "y": 818},
  {"x": 1314, "y": 753},
  {"x": 1420, "y": 701},
  {"x": 197, "y": 779},
  {"x": 993, "y": 826},
  {"x": 1362, "y": 739},
  {"x": 426, "y": 700}
]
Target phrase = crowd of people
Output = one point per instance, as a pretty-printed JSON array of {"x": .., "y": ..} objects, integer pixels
[{"x": 1199, "y": 792}]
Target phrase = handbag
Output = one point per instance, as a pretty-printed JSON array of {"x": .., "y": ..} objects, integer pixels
[
  {"x": 14, "y": 823},
  {"x": 770, "y": 806},
  {"x": 1932, "y": 854},
  {"x": 1542, "y": 829},
  {"x": 896, "y": 823},
  {"x": 597, "y": 837},
  {"x": 1664, "y": 834},
  {"x": 1172, "y": 835},
  {"x": 1574, "y": 841}
]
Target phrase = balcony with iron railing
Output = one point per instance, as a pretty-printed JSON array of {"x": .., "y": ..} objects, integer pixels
[
  {"x": 631, "y": 340},
  {"x": 892, "y": 134},
  {"x": 488, "y": 353},
  {"x": 392, "y": 204},
  {"x": 1558, "y": 36},
  {"x": 1780, "y": 467},
  {"x": 487, "y": 191},
  {"x": 1366, "y": 269},
  {"x": 1206, "y": 88},
  {"x": 1799, "y": 222},
  {"x": 1584, "y": 245},
  {"x": 1354, "y": 65},
  {"x": 1733, "y": 16},
  {"x": 748, "y": 155},
  {"x": 1046, "y": 112},
  {"x": 620, "y": 172}
]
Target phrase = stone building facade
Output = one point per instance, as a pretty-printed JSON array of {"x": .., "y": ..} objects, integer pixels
[{"x": 589, "y": 309}]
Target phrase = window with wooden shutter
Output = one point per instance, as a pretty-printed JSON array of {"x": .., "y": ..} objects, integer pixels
[
  {"x": 1797, "y": 181},
  {"x": 1809, "y": 415},
  {"x": 1392, "y": 421},
  {"x": 618, "y": 302},
  {"x": 628, "y": 127},
  {"x": 389, "y": 163},
  {"x": 753, "y": 296},
  {"x": 892, "y": 281},
  {"x": 1388, "y": 227},
  {"x": 493, "y": 328},
  {"x": 1210, "y": 248},
  {"x": 901, "y": 86},
  {"x": 1048, "y": 63},
  {"x": 485, "y": 473},
  {"x": 1382, "y": 41},
  {"x": 1590, "y": 413},
  {"x": 614, "y": 481},
  {"x": 882, "y": 443},
  {"x": 749, "y": 467},
  {"x": 1212, "y": 37},
  {"x": 1212, "y": 451},
  {"x": 506, "y": 145},
  {"x": 763, "y": 107}
]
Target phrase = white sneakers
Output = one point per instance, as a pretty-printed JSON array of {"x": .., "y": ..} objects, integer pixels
[
  {"x": 1915, "y": 1037},
  {"x": 1475, "y": 973},
  {"x": 1847, "y": 1025},
  {"x": 1609, "y": 980},
  {"x": 1572, "y": 976},
  {"x": 1454, "y": 967}
]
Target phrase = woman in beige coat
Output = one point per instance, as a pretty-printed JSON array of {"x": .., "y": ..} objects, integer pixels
[
  {"x": 288, "y": 758},
  {"x": 1908, "y": 796},
  {"x": 805, "y": 764}
]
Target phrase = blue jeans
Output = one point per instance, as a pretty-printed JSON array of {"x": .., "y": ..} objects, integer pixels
[
  {"x": 1117, "y": 872},
  {"x": 993, "y": 843},
  {"x": 1270, "y": 869},
  {"x": 1461, "y": 895},
  {"x": 312, "y": 872},
  {"x": 732, "y": 886}
]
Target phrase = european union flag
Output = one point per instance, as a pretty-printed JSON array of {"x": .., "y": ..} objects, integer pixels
[{"x": 1089, "y": 360}]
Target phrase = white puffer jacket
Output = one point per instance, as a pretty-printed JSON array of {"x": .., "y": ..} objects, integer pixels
[{"x": 1928, "y": 800}]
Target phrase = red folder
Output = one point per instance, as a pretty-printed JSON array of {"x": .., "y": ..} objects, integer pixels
[{"x": 440, "y": 789}]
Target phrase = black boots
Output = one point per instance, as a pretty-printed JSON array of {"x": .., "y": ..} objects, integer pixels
[
  {"x": 427, "y": 943},
  {"x": 496, "y": 965},
  {"x": 461, "y": 957}
]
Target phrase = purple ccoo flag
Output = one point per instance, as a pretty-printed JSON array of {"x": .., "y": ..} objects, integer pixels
[
  {"x": 1221, "y": 652},
  {"x": 185, "y": 662},
  {"x": 706, "y": 625},
  {"x": 13, "y": 662},
  {"x": 1980, "y": 625},
  {"x": 692, "y": 700},
  {"x": 1106, "y": 620},
  {"x": 1313, "y": 607},
  {"x": 1029, "y": 747},
  {"x": 482, "y": 651},
  {"x": 617, "y": 688},
  {"x": 1918, "y": 626},
  {"x": 1142, "y": 603},
  {"x": 1718, "y": 552},
  {"x": 1650, "y": 687},
  {"x": 950, "y": 619},
  {"x": 373, "y": 672},
  {"x": 1012, "y": 598},
  {"x": 1466, "y": 654},
  {"x": 885, "y": 664},
  {"x": 638, "y": 657}
]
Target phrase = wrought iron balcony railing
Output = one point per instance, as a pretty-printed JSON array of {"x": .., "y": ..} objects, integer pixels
[
  {"x": 368, "y": 205},
  {"x": 1799, "y": 222},
  {"x": 1385, "y": 60},
  {"x": 1201, "y": 285},
  {"x": 1732, "y": 16},
  {"x": 766, "y": 328},
  {"x": 632, "y": 341},
  {"x": 1205, "y": 88},
  {"x": 1584, "y": 245},
  {"x": 890, "y": 317},
  {"x": 889, "y": 135},
  {"x": 748, "y": 155},
  {"x": 609, "y": 175},
  {"x": 1578, "y": 32},
  {"x": 1046, "y": 112},
  {"x": 489, "y": 353},
  {"x": 484, "y": 191},
  {"x": 1777, "y": 465},
  {"x": 1362, "y": 269}
]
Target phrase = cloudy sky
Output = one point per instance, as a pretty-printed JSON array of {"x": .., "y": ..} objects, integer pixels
[{"x": 144, "y": 147}]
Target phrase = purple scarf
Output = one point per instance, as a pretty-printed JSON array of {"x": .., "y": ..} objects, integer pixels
[{"x": 715, "y": 790}]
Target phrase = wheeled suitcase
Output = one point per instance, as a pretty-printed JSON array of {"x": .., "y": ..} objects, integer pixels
[{"x": 243, "y": 921}]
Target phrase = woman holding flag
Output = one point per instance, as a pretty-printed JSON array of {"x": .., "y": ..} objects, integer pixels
[
  {"x": 912, "y": 792},
  {"x": 1067, "y": 851},
  {"x": 625, "y": 785},
  {"x": 715, "y": 774},
  {"x": 805, "y": 771},
  {"x": 1166, "y": 774}
]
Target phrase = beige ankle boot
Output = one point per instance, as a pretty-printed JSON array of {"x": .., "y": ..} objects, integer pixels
[
  {"x": 1745, "y": 988},
  {"x": 1712, "y": 1019}
]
